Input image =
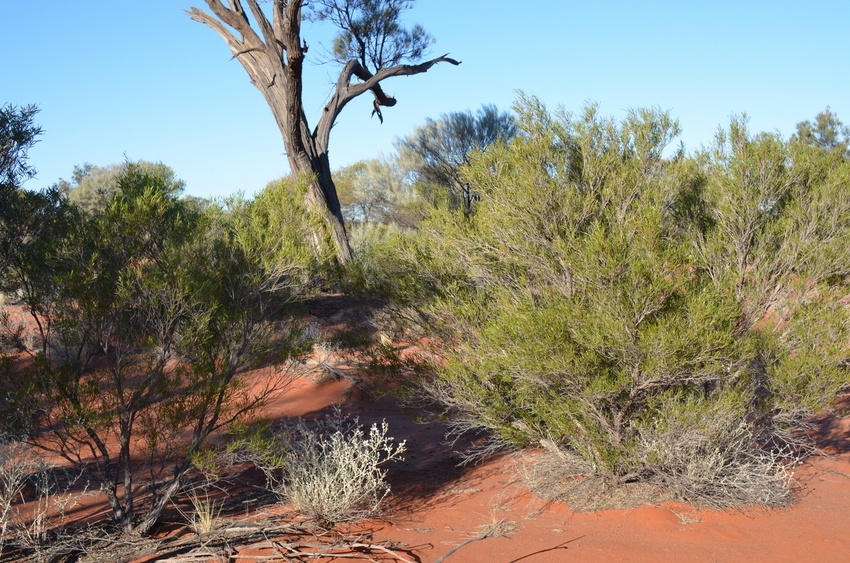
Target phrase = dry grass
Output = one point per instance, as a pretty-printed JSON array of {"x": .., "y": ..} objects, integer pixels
[
  {"x": 332, "y": 470},
  {"x": 497, "y": 528},
  {"x": 25, "y": 478},
  {"x": 588, "y": 493},
  {"x": 204, "y": 517},
  {"x": 735, "y": 468}
]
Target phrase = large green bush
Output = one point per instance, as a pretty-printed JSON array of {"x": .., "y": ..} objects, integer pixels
[{"x": 604, "y": 297}]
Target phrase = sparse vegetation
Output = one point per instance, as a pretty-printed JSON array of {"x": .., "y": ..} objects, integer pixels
[
  {"x": 204, "y": 516},
  {"x": 15, "y": 469},
  {"x": 329, "y": 470},
  {"x": 659, "y": 322},
  {"x": 333, "y": 471},
  {"x": 53, "y": 493}
]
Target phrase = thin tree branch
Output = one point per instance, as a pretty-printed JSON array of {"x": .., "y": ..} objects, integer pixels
[
  {"x": 484, "y": 536},
  {"x": 345, "y": 91}
]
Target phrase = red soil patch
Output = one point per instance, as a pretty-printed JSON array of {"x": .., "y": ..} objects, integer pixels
[{"x": 437, "y": 505}]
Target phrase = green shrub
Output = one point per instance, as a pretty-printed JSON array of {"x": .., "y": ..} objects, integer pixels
[
  {"x": 149, "y": 313},
  {"x": 604, "y": 298}
]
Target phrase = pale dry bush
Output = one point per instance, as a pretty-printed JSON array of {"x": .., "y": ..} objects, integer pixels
[
  {"x": 15, "y": 468},
  {"x": 729, "y": 465},
  {"x": 332, "y": 469},
  {"x": 561, "y": 475},
  {"x": 21, "y": 469},
  {"x": 734, "y": 466}
]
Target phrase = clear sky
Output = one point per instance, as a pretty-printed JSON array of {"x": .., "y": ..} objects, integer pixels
[{"x": 116, "y": 78}]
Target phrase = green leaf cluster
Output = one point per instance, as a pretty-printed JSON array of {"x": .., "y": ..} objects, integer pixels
[{"x": 371, "y": 32}]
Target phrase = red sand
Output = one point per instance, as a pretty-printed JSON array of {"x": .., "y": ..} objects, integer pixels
[{"x": 437, "y": 505}]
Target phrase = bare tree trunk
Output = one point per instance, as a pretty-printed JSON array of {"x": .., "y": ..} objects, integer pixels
[
  {"x": 161, "y": 501},
  {"x": 273, "y": 56}
]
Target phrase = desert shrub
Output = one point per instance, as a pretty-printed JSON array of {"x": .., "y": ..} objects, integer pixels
[
  {"x": 604, "y": 298},
  {"x": 719, "y": 462},
  {"x": 329, "y": 469},
  {"x": 276, "y": 228},
  {"x": 332, "y": 470},
  {"x": 91, "y": 187},
  {"x": 805, "y": 357},
  {"x": 688, "y": 456},
  {"x": 15, "y": 469},
  {"x": 51, "y": 493},
  {"x": 774, "y": 220},
  {"x": 773, "y": 215},
  {"x": 149, "y": 312}
]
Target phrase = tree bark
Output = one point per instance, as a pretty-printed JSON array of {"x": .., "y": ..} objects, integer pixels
[{"x": 274, "y": 58}]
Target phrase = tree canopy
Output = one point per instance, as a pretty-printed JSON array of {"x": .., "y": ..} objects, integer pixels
[
  {"x": 92, "y": 186},
  {"x": 826, "y": 132},
  {"x": 24, "y": 215},
  {"x": 437, "y": 151}
]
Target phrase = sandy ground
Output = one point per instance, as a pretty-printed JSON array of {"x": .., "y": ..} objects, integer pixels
[{"x": 437, "y": 504}]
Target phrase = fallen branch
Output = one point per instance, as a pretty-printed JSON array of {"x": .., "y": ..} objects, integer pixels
[
  {"x": 339, "y": 547},
  {"x": 481, "y": 537},
  {"x": 217, "y": 545}
]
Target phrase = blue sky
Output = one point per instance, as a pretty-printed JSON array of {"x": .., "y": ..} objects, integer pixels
[{"x": 116, "y": 78}]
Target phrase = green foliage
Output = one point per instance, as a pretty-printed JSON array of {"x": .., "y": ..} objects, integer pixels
[
  {"x": 30, "y": 223},
  {"x": 806, "y": 365},
  {"x": 606, "y": 298},
  {"x": 24, "y": 215},
  {"x": 773, "y": 211},
  {"x": 91, "y": 186},
  {"x": 582, "y": 312},
  {"x": 278, "y": 229},
  {"x": 376, "y": 192},
  {"x": 436, "y": 152},
  {"x": 827, "y": 132},
  {"x": 371, "y": 32},
  {"x": 18, "y": 134},
  {"x": 148, "y": 314}
]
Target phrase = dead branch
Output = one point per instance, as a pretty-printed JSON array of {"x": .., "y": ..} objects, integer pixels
[
  {"x": 341, "y": 547},
  {"x": 485, "y": 535}
]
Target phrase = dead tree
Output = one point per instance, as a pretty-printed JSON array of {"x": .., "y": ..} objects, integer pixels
[{"x": 272, "y": 53}]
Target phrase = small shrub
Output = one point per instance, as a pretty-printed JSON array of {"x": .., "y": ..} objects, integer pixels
[
  {"x": 15, "y": 469},
  {"x": 332, "y": 470},
  {"x": 52, "y": 498}
]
